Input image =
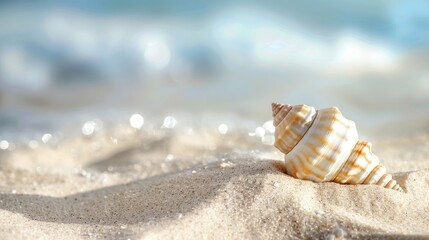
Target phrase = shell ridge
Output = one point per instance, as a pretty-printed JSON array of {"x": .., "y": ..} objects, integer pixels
[
  {"x": 336, "y": 153},
  {"x": 311, "y": 124},
  {"x": 292, "y": 155},
  {"x": 300, "y": 148},
  {"x": 308, "y": 164},
  {"x": 299, "y": 138},
  {"x": 345, "y": 157},
  {"x": 361, "y": 155},
  {"x": 292, "y": 127},
  {"x": 312, "y": 161}
]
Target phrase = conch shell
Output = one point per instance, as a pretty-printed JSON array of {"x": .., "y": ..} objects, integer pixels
[{"x": 322, "y": 146}]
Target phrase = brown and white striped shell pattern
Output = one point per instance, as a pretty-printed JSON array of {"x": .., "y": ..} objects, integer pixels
[{"x": 323, "y": 146}]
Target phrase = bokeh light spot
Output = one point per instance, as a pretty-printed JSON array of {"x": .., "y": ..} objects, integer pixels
[
  {"x": 223, "y": 129},
  {"x": 4, "y": 145},
  {"x": 136, "y": 121},
  {"x": 169, "y": 122}
]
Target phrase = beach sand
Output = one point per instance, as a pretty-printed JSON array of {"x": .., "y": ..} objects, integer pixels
[{"x": 239, "y": 196}]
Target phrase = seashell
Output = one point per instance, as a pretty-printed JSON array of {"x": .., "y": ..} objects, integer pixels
[{"x": 322, "y": 146}]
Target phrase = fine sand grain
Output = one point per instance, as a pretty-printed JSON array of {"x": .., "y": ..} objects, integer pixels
[{"x": 244, "y": 198}]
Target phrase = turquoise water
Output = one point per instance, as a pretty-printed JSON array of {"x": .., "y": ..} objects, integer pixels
[{"x": 67, "y": 64}]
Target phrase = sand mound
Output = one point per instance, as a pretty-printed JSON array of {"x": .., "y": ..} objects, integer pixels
[{"x": 243, "y": 199}]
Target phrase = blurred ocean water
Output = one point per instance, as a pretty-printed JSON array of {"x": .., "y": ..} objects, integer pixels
[{"x": 215, "y": 65}]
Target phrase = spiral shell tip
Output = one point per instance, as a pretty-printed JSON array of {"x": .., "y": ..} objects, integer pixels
[{"x": 275, "y": 107}]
